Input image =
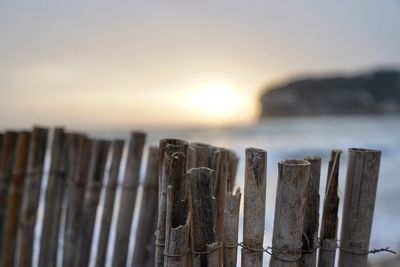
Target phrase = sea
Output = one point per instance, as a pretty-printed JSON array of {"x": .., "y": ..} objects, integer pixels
[{"x": 294, "y": 138}]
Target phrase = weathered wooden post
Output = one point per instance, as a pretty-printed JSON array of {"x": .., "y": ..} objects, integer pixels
[
  {"x": 177, "y": 223},
  {"x": 289, "y": 213},
  {"x": 204, "y": 245},
  {"x": 128, "y": 198},
  {"x": 30, "y": 200},
  {"x": 311, "y": 215},
  {"x": 110, "y": 189},
  {"x": 14, "y": 200},
  {"x": 329, "y": 224},
  {"x": 53, "y": 200},
  {"x": 79, "y": 153},
  {"x": 233, "y": 165},
  {"x": 144, "y": 253},
  {"x": 254, "y": 207},
  {"x": 202, "y": 155},
  {"x": 231, "y": 228},
  {"x": 166, "y": 149},
  {"x": 7, "y": 159},
  {"x": 359, "y": 202},
  {"x": 91, "y": 200}
]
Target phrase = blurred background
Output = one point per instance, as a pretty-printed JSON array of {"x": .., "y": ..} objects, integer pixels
[{"x": 295, "y": 78}]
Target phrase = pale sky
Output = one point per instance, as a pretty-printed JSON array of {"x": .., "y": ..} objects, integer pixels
[{"x": 119, "y": 64}]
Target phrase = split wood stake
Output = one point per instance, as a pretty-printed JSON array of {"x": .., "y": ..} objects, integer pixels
[
  {"x": 109, "y": 197},
  {"x": 167, "y": 148},
  {"x": 254, "y": 206},
  {"x": 329, "y": 224},
  {"x": 129, "y": 188},
  {"x": 231, "y": 228},
  {"x": 79, "y": 153},
  {"x": 14, "y": 200},
  {"x": 311, "y": 215},
  {"x": 203, "y": 218},
  {"x": 31, "y": 194},
  {"x": 293, "y": 180},
  {"x": 359, "y": 203},
  {"x": 7, "y": 159},
  {"x": 91, "y": 200},
  {"x": 54, "y": 199},
  {"x": 144, "y": 253}
]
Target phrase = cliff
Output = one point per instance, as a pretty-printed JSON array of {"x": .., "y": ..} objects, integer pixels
[{"x": 371, "y": 93}]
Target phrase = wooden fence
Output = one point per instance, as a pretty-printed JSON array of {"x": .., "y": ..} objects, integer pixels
[{"x": 189, "y": 201}]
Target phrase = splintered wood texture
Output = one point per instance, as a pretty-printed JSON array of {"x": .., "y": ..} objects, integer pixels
[
  {"x": 311, "y": 215},
  {"x": 91, "y": 200},
  {"x": 328, "y": 232},
  {"x": 14, "y": 200},
  {"x": 166, "y": 149},
  {"x": 9, "y": 142},
  {"x": 76, "y": 180},
  {"x": 31, "y": 193},
  {"x": 254, "y": 206},
  {"x": 231, "y": 228},
  {"x": 128, "y": 198},
  {"x": 293, "y": 179},
  {"x": 144, "y": 254},
  {"x": 109, "y": 197},
  {"x": 54, "y": 199},
  {"x": 359, "y": 203},
  {"x": 203, "y": 212}
]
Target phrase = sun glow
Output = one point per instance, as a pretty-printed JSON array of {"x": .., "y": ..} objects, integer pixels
[{"x": 219, "y": 103}]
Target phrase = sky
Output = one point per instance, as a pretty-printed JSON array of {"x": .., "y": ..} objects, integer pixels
[{"x": 124, "y": 64}]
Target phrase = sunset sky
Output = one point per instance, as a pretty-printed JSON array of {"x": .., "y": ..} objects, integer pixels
[{"x": 171, "y": 63}]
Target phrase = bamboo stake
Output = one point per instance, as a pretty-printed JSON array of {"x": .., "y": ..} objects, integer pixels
[
  {"x": 254, "y": 206},
  {"x": 359, "y": 202},
  {"x": 109, "y": 198},
  {"x": 231, "y": 228},
  {"x": 31, "y": 194},
  {"x": 220, "y": 178},
  {"x": 144, "y": 253},
  {"x": 128, "y": 198},
  {"x": 91, "y": 200},
  {"x": 329, "y": 224},
  {"x": 167, "y": 148},
  {"x": 203, "y": 221},
  {"x": 311, "y": 215},
  {"x": 79, "y": 152},
  {"x": 177, "y": 230},
  {"x": 7, "y": 158},
  {"x": 14, "y": 200},
  {"x": 53, "y": 200},
  {"x": 289, "y": 213}
]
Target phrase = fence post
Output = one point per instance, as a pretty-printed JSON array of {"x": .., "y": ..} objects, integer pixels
[
  {"x": 14, "y": 200},
  {"x": 231, "y": 228},
  {"x": 289, "y": 213},
  {"x": 91, "y": 200},
  {"x": 329, "y": 224},
  {"x": 129, "y": 188},
  {"x": 311, "y": 215},
  {"x": 203, "y": 218},
  {"x": 7, "y": 158},
  {"x": 144, "y": 253},
  {"x": 359, "y": 203},
  {"x": 167, "y": 148},
  {"x": 255, "y": 185},
  {"x": 30, "y": 199},
  {"x": 110, "y": 188},
  {"x": 53, "y": 200},
  {"x": 79, "y": 153}
]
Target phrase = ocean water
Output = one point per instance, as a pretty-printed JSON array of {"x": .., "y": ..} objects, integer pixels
[{"x": 295, "y": 138}]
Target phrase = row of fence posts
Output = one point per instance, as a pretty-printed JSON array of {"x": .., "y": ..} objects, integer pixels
[
  {"x": 189, "y": 198},
  {"x": 199, "y": 209}
]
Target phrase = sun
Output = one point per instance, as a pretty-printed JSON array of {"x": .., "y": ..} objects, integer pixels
[{"x": 218, "y": 103}]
